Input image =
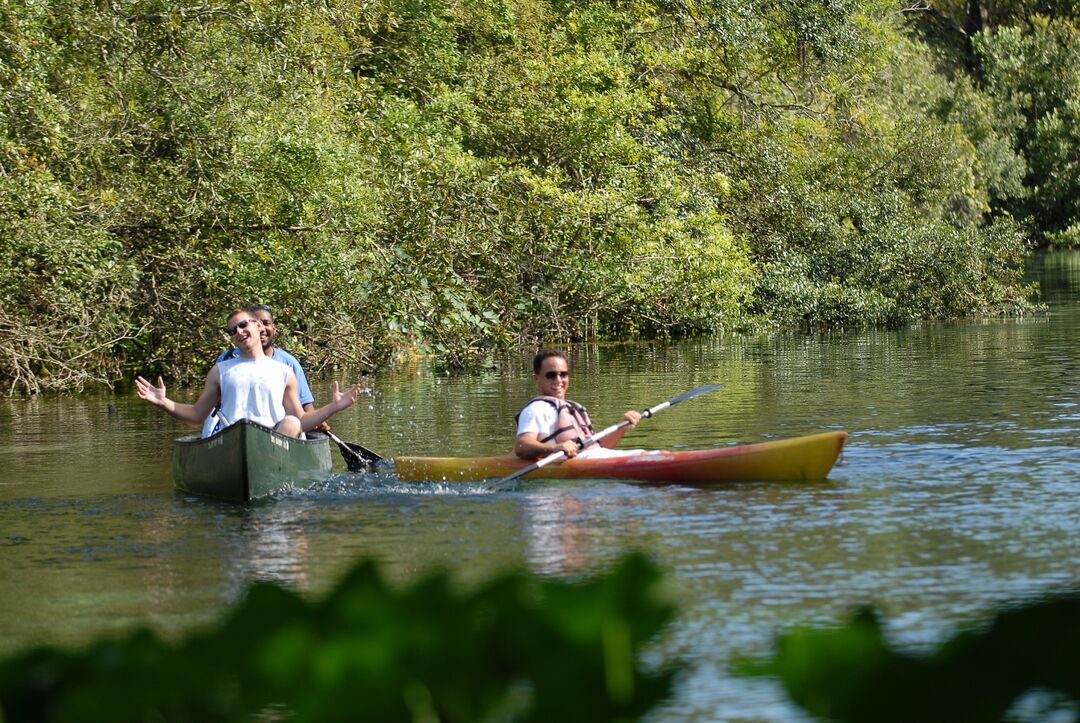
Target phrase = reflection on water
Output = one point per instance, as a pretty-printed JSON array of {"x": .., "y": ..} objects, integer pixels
[
  {"x": 1058, "y": 275},
  {"x": 553, "y": 532},
  {"x": 955, "y": 493}
]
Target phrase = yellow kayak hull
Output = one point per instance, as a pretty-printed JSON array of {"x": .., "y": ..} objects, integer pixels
[{"x": 800, "y": 458}]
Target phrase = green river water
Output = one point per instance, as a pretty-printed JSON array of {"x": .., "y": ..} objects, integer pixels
[{"x": 957, "y": 492}]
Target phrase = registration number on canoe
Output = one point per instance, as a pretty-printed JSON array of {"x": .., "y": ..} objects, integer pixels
[{"x": 283, "y": 443}]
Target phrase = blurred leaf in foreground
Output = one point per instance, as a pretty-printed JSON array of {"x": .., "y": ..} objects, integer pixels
[{"x": 518, "y": 648}]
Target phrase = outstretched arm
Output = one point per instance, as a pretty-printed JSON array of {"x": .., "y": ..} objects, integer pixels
[
  {"x": 193, "y": 414},
  {"x": 339, "y": 401}
]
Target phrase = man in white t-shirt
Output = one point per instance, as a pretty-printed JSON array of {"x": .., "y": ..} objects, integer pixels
[
  {"x": 251, "y": 386},
  {"x": 267, "y": 333},
  {"x": 551, "y": 422}
]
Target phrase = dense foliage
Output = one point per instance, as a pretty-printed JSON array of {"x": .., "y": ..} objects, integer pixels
[
  {"x": 453, "y": 176},
  {"x": 1022, "y": 664},
  {"x": 1015, "y": 67},
  {"x": 518, "y": 648}
]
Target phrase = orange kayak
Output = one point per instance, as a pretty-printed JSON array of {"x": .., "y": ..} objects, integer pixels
[{"x": 799, "y": 458}]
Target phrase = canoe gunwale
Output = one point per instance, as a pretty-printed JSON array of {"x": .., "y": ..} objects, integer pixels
[{"x": 312, "y": 437}]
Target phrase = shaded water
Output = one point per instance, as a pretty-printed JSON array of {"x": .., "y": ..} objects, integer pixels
[{"x": 957, "y": 491}]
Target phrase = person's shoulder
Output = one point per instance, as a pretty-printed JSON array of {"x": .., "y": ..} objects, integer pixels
[
  {"x": 536, "y": 416},
  {"x": 539, "y": 406},
  {"x": 285, "y": 357},
  {"x": 575, "y": 405}
]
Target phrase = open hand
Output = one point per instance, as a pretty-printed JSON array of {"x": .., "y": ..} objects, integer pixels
[
  {"x": 343, "y": 400},
  {"x": 153, "y": 394}
]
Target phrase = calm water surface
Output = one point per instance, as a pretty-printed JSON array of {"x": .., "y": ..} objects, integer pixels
[{"x": 957, "y": 491}]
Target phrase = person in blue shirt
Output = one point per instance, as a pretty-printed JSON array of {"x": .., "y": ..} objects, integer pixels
[
  {"x": 249, "y": 386},
  {"x": 265, "y": 315}
]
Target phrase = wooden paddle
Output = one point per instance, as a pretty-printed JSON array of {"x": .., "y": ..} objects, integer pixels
[
  {"x": 357, "y": 458},
  {"x": 561, "y": 455}
]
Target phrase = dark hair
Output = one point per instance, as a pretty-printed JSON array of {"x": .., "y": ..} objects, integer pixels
[
  {"x": 538, "y": 360},
  {"x": 261, "y": 307}
]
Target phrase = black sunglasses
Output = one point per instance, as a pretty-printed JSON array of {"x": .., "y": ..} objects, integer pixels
[
  {"x": 560, "y": 375},
  {"x": 241, "y": 325}
]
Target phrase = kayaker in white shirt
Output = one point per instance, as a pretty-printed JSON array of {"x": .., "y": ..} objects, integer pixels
[
  {"x": 551, "y": 422},
  {"x": 251, "y": 386}
]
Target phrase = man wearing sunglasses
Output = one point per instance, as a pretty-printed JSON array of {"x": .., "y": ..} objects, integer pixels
[
  {"x": 265, "y": 315},
  {"x": 551, "y": 422},
  {"x": 250, "y": 386}
]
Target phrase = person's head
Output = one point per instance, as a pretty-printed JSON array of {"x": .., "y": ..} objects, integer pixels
[
  {"x": 265, "y": 315},
  {"x": 551, "y": 372},
  {"x": 241, "y": 326}
]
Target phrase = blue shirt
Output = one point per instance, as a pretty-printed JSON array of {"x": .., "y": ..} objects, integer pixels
[{"x": 280, "y": 355}]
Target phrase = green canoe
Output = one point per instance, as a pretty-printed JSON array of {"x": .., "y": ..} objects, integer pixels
[{"x": 247, "y": 460}]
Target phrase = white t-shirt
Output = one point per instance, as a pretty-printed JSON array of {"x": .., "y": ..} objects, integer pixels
[
  {"x": 538, "y": 417},
  {"x": 541, "y": 418},
  {"x": 252, "y": 389}
]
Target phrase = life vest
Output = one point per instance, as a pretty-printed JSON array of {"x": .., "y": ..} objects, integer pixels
[{"x": 572, "y": 424}]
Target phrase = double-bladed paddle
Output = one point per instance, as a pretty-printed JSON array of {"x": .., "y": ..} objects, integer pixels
[
  {"x": 561, "y": 455},
  {"x": 357, "y": 458}
]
